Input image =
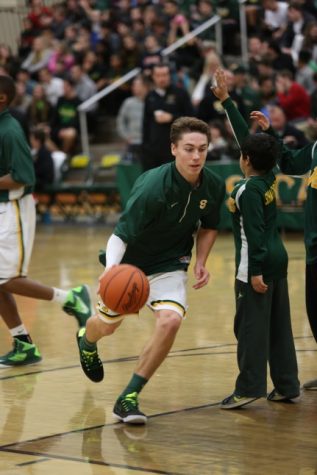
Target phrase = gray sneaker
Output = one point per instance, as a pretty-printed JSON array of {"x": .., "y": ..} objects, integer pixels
[
  {"x": 277, "y": 397},
  {"x": 234, "y": 401},
  {"x": 311, "y": 385}
]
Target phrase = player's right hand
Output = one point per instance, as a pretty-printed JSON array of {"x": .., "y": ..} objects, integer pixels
[
  {"x": 258, "y": 284},
  {"x": 261, "y": 119}
]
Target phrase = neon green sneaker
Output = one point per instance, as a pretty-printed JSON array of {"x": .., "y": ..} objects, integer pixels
[
  {"x": 78, "y": 304},
  {"x": 22, "y": 354},
  {"x": 90, "y": 362},
  {"x": 126, "y": 409}
]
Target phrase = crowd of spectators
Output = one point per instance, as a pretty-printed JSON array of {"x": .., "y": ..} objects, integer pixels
[{"x": 72, "y": 49}]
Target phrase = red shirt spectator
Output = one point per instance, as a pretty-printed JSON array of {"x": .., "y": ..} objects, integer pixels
[{"x": 292, "y": 97}]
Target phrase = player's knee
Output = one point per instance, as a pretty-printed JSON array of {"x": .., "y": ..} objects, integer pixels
[
  {"x": 170, "y": 322},
  {"x": 107, "y": 328}
]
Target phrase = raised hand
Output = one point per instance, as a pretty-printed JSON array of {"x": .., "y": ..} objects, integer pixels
[
  {"x": 261, "y": 119},
  {"x": 219, "y": 85}
]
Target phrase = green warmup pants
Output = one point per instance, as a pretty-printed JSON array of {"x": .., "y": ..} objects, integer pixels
[{"x": 263, "y": 329}]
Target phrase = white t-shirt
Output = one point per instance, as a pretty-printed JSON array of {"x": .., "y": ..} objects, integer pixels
[{"x": 277, "y": 19}]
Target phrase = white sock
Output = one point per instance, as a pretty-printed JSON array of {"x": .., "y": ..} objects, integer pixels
[
  {"x": 19, "y": 330},
  {"x": 59, "y": 295}
]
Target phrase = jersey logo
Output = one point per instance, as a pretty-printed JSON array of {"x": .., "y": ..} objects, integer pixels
[
  {"x": 203, "y": 204},
  {"x": 312, "y": 180},
  {"x": 231, "y": 205},
  {"x": 269, "y": 196}
]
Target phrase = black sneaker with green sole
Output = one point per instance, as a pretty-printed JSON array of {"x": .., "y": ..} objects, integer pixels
[
  {"x": 90, "y": 362},
  {"x": 23, "y": 353},
  {"x": 78, "y": 304},
  {"x": 126, "y": 409}
]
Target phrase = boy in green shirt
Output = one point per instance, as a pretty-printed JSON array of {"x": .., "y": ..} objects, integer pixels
[
  {"x": 262, "y": 322},
  {"x": 17, "y": 229}
]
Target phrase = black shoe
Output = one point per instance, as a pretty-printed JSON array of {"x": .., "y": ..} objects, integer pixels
[
  {"x": 126, "y": 409},
  {"x": 277, "y": 397},
  {"x": 89, "y": 360}
]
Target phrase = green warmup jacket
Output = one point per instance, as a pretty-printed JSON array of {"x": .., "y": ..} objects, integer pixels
[
  {"x": 300, "y": 162},
  {"x": 259, "y": 247},
  {"x": 162, "y": 214},
  {"x": 15, "y": 157}
]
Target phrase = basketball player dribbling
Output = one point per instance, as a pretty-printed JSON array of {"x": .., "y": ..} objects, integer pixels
[
  {"x": 155, "y": 233},
  {"x": 17, "y": 229}
]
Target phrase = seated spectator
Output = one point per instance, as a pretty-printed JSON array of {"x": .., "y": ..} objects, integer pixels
[
  {"x": 26, "y": 38},
  {"x": 39, "y": 15},
  {"x": 279, "y": 60},
  {"x": 22, "y": 99},
  {"x": 310, "y": 41},
  {"x": 131, "y": 52},
  {"x": 298, "y": 20},
  {"x": 218, "y": 147},
  {"x": 24, "y": 77},
  {"x": 304, "y": 73},
  {"x": 94, "y": 68},
  {"x": 8, "y": 60},
  {"x": 243, "y": 86},
  {"x": 292, "y": 97},
  {"x": 291, "y": 136},
  {"x": 84, "y": 86},
  {"x": 38, "y": 58},
  {"x": 211, "y": 63},
  {"x": 151, "y": 54},
  {"x": 267, "y": 92},
  {"x": 39, "y": 110},
  {"x": 43, "y": 162},
  {"x": 65, "y": 121},
  {"x": 60, "y": 54},
  {"x": 53, "y": 86},
  {"x": 257, "y": 48},
  {"x": 59, "y": 21},
  {"x": 275, "y": 18}
]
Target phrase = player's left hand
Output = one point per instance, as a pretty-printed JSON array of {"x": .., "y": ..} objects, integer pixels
[{"x": 202, "y": 276}]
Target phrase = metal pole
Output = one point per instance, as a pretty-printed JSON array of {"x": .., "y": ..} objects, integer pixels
[
  {"x": 84, "y": 132},
  {"x": 84, "y": 106},
  {"x": 218, "y": 30},
  {"x": 213, "y": 21},
  {"x": 243, "y": 33}
]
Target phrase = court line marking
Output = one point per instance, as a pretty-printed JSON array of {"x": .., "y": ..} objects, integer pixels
[
  {"x": 10, "y": 447},
  {"x": 172, "y": 354}
]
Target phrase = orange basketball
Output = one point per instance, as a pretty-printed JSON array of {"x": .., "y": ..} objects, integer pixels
[{"x": 124, "y": 289}]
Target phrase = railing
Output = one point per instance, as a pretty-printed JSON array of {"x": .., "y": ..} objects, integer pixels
[
  {"x": 84, "y": 107},
  {"x": 243, "y": 32}
]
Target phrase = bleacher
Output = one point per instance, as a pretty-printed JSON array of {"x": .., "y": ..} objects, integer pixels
[{"x": 84, "y": 189}]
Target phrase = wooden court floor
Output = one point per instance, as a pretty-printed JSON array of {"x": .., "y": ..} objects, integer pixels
[{"x": 54, "y": 421}]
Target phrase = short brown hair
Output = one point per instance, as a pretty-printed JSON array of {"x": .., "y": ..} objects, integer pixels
[{"x": 184, "y": 125}]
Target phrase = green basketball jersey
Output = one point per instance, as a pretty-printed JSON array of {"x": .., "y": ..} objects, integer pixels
[
  {"x": 162, "y": 215},
  {"x": 15, "y": 157}
]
